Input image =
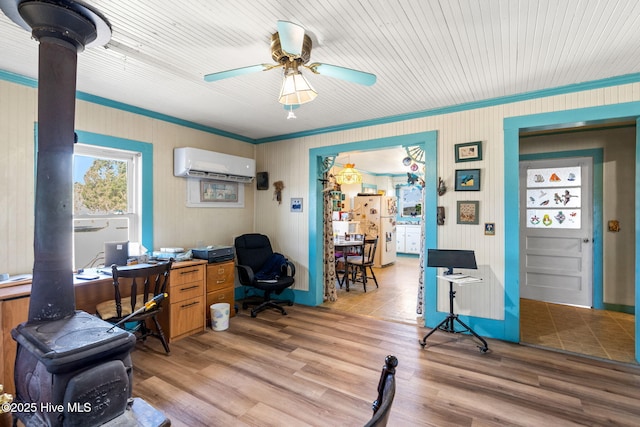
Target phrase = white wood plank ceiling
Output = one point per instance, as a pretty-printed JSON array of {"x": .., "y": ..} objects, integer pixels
[{"x": 426, "y": 54}]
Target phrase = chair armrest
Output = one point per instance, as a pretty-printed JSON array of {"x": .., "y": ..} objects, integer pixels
[
  {"x": 288, "y": 269},
  {"x": 245, "y": 274}
]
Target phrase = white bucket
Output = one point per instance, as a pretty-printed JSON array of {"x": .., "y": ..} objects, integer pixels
[{"x": 220, "y": 316}]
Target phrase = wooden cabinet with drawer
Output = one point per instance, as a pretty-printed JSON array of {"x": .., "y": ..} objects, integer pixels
[
  {"x": 220, "y": 285},
  {"x": 183, "y": 312}
]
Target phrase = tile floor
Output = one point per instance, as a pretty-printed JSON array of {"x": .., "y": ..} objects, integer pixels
[{"x": 597, "y": 333}]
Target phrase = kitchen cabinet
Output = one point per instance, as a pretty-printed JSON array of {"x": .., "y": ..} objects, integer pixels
[{"x": 408, "y": 238}]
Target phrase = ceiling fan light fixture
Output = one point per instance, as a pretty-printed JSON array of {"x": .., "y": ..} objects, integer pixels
[
  {"x": 349, "y": 175},
  {"x": 296, "y": 89}
]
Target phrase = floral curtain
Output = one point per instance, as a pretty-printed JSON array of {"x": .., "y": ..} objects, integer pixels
[
  {"x": 420, "y": 302},
  {"x": 330, "y": 293}
]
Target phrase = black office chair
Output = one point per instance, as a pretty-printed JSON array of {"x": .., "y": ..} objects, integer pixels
[
  {"x": 386, "y": 392},
  {"x": 262, "y": 269},
  {"x": 147, "y": 282},
  {"x": 356, "y": 265}
]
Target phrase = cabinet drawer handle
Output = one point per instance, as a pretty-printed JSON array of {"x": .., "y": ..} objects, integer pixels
[
  {"x": 190, "y": 271},
  {"x": 190, "y": 304},
  {"x": 190, "y": 287},
  {"x": 220, "y": 281},
  {"x": 221, "y": 271}
]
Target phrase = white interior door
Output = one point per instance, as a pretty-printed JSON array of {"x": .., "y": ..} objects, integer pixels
[{"x": 556, "y": 230}]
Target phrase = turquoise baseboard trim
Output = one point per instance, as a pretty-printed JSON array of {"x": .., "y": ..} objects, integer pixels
[
  {"x": 629, "y": 309},
  {"x": 486, "y": 328},
  {"x": 404, "y": 255},
  {"x": 299, "y": 297}
]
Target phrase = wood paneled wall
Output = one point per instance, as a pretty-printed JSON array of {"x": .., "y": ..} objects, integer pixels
[
  {"x": 288, "y": 160},
  {"x": 176, "y": 225}
]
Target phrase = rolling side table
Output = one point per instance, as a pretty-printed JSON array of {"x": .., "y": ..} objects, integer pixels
[{"x": 448, "y": 324}]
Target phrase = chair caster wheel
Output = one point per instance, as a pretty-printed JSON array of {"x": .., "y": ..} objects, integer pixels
[
  {"x": 483, "y": 349},
  {"x": 253, "y": 313},
  {"x": 290, "y": 303},
  {"x": 422, "y": 344}
]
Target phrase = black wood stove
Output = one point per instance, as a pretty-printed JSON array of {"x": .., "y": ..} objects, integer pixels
[{"x": 72, "y": 369}]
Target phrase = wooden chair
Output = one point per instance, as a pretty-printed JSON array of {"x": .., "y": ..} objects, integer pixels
[
  {"x": 386, "y": 392},
  {"x": 356, "y": 265},
  {"x": 146, "y": 282},
  {"x": 347, "y": 248}
]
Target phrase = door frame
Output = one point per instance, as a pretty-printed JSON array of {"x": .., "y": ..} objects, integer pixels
[
  {"x": 597, "y": 154},
  {"x": 428, "y": 141},
  {"x": 554, "y": 120}
]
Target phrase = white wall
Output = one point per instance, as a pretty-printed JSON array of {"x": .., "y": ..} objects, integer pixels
[
  {"x": 174, "y": 223},
  {"x": 483, "y": 124}
]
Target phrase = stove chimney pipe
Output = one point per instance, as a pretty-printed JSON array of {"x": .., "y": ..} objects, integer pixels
[{"x": 63, "y": 28}]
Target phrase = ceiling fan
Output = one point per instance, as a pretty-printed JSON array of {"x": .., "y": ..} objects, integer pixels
[{"x": 291, "y": 50}]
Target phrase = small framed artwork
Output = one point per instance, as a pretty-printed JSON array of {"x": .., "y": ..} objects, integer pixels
[
  {"x": 218, "y": 191},
  {"x": 468, "y": 151},
  {"x": 489, "y": 229},
  {"x": 262, "y": 180},
  {"x": 468, "y": 211},
  {"x": 467, "y": 180},
  {"x": 440, "y": 215},
  {"x": 296, "y": 204}
]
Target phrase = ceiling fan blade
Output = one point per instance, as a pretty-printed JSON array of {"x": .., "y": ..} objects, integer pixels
[
  {"x": 343, "y": 73},
  {"x": 214, "y": 77},
  {"x": 291, "y": 37}
]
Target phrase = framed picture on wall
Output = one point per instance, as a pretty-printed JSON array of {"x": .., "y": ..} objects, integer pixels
[
  {"x": 467, "y": 180},
  {"x": 218, "y": 191},
  {"x": 296, "y": 204},
  {"x": 468, "y": 151},
  {"x": 262, "y": 181},
  {"x": 468, "y": 211}
]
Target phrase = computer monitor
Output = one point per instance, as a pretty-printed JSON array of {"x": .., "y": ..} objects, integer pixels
[
  {"x": 116, "y": 253},
  {"x": 451, "y": 258}
]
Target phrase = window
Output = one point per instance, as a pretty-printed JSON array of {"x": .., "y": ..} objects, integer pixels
[
  {"x": 410, "y": 198},
  {"x": 107, "y": 188}
]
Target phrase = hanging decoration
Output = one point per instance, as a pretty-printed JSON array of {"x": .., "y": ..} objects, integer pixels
[
  {"x": 277, "y": 194},
  {"x": 441, "y": 187}
]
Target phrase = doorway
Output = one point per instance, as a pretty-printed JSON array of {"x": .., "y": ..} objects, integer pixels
[
  {"x": 428, "y": 143},
  {"x": 357, "y": 207},
  {"x": 600, "y": 322}
]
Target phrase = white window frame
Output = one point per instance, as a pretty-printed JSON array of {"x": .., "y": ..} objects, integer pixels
[{"x": 134, "y": 186}]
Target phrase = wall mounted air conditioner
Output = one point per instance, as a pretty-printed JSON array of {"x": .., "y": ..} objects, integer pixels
[{"x": 195, "y": 163}]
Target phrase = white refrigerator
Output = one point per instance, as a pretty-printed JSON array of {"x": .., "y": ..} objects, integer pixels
[{"x": 377, "y": 216}]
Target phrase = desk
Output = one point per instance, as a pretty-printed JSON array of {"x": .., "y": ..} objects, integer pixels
[
  {"x": 184, "y": 314},
  {"x": 448, "y": 324}
]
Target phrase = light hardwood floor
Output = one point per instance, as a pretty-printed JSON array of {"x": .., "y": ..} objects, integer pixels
[
  {"x": 598, "y": 333},
  {"x": 320, "y": 367}
]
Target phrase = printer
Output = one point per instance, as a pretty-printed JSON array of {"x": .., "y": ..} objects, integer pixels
[{"x": 214, "y": 253}]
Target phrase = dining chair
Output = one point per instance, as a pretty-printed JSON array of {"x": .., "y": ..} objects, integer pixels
[
  {"x": 386, "y": 393},
  {"x": 356, "y": 265},
  {"x": 145, "y": 287}
]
